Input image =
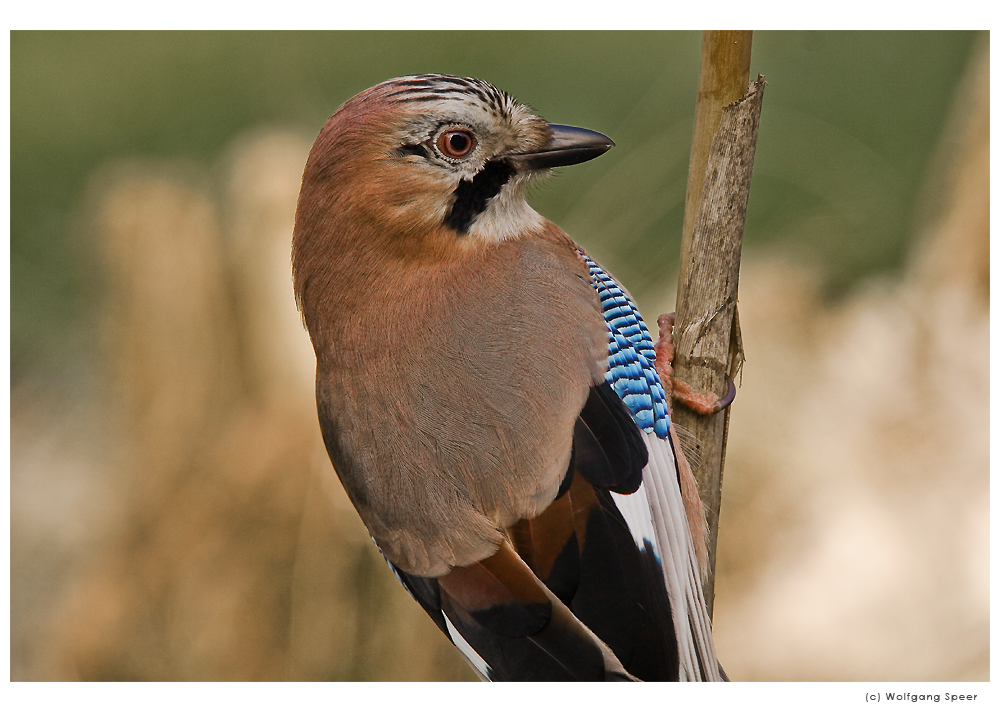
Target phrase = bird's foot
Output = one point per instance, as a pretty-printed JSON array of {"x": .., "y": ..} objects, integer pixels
[{"x": 678, "y": 391}]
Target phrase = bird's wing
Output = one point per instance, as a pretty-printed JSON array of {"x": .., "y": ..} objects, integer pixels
[{"x": 655, "y": 512}]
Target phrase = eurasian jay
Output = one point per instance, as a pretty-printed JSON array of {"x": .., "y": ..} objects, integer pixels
[{"x": 489, "y": 395}]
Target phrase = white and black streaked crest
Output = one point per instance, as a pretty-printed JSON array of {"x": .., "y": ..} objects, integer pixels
[{"x": 436, "y": 87}]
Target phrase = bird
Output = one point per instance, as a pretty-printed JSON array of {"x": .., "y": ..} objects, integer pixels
[{"x": 489, "y": 395}]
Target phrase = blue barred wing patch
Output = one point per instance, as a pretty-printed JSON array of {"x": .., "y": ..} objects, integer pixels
[{"x": 631, "y": 371}]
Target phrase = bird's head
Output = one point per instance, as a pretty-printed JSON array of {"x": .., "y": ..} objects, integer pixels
[{"x": 429, "y": 162}]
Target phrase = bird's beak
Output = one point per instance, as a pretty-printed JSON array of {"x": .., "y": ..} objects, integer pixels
[{"x": 567, "y": 146}]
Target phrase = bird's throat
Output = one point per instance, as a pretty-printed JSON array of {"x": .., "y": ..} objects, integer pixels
[{"x": 491, "y": 207}]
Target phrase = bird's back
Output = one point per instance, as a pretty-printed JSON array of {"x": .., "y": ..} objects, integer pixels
[{"x": 469, "y": 374}]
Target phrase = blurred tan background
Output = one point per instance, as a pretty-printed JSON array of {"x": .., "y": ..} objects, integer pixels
[{"x": 173, "y": 512}]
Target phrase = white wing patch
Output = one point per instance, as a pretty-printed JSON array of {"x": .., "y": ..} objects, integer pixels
[
  {"x": 635, "y": 509},
  {"x": 656, "y": 518},
  {"x": 481, "y": 667}
]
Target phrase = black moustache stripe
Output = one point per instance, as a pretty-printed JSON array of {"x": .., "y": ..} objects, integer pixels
[{"x": 472, "y": 196}]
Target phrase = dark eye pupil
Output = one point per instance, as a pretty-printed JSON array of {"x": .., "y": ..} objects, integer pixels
[{"x": 458, "y": 142}]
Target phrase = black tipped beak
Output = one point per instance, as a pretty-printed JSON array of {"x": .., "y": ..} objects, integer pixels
[{"x": 569, "y": 145}]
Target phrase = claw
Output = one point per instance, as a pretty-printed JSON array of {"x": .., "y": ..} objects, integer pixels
[{"x": 726, "y": 400}]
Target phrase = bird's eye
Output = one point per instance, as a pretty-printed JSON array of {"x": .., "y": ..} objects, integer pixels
[{"x": 456, "y": 143}]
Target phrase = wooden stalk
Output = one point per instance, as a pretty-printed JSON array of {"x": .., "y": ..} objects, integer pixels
[
  {"x": 723, "y": 79},
  {"x": 706, "y": 333}
]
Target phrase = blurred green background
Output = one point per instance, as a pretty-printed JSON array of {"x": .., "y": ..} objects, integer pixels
[
  {"x": 850, "y": 120},
  {"x": 173, "y": 514}
]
